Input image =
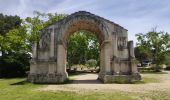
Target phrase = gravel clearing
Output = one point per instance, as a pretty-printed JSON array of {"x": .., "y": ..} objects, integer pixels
[{"x": 86, "y": 82}]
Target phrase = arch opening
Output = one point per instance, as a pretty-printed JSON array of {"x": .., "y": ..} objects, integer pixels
[{"x": 83, "y": 55}]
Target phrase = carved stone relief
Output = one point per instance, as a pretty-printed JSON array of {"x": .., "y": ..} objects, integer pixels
[
  {"x": 44, "y": 42},
  {"x": 122, "y": 43}
]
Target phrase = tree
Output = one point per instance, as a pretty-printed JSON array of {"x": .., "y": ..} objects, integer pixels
[
  {"x": 33, "y": 25},
  {"x": 13, "y": 46},
  {"x": 7, "y": 23},
  {"x": 16, "y": 39},
  {"x": 142, "y": 54},
  {"x": 81, "y": 47},
  {"x": 155, "y": 43}
]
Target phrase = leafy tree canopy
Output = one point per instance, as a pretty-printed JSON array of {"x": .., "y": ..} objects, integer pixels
[
  {"x": 82, "y": 46},
  {"x": 154, "y": 44}
]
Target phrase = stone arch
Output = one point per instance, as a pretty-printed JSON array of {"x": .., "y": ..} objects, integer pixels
[
  {"x": 117, "y": 61},
  {"x": 83, "y": 22}
]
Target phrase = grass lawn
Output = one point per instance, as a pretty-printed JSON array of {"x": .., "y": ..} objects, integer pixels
[
  {"x": 10, "y": 89},
  {"x": 18, "y": 89}
]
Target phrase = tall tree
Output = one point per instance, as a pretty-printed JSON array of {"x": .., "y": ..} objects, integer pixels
[
  {"x": 7, "y": 23},
  {"x": 16, "y": 39},
  {"x": 155, "y": 43}
]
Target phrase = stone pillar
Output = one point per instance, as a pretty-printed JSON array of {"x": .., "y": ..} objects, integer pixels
[
  {"x": 106, "y": 57},
  {"x": 133, "y": 65},
  {"x": 34, "y": 51},
  {"x": 115, "y": 69},
  {"x": 52, "y": 44},
  {"x": 33, "y": 63},
  {"x": 115, "y": 44},
  {"x": 52, "y": 62},
  {"x": 61, "y": 63},
  {"x": 131, "y": 50},
  {"x": 101, "y": 60},
  {"x": 105, "y": 67}
]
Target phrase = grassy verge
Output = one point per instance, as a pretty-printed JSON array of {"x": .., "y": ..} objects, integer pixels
[
  {"x": 18, "y": 89},
  {"x": 149, "y": 78}
]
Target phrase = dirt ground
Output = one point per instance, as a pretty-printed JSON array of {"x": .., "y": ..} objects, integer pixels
[{"x": 86, "y": 82}]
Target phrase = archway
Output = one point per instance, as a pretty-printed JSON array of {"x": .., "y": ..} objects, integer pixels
[
  {"x": 117, "y": 61},
  {"x": 83, "y": 57},
  {"x": 81, "y": 23},
  {"x": 83, "y": 49}
]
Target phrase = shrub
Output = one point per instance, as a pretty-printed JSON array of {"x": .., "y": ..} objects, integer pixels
[
  {"x": 91, "y": 63},
  {"x": 14, "y": 65},
  {"x": 156, "y": 68}
]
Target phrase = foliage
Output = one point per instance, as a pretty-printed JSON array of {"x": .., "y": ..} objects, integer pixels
[
  {"x": 81, "y": 47},
  {"x": 142, "y": 54},
  {"x": 38, "y": 22},
  {"x": 8, "y": 22},
  {"x": 155, "y": 44},
  {"x": 14, "y": 65},
  {"x": 16, "y": 39},
  {"x": 79, "y": 66},
  {"x": 91, "y": 63},
  {"x": 13, "y": 47}
]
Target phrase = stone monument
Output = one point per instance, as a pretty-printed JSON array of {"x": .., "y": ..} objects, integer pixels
[{"x": 117, "y": 60}]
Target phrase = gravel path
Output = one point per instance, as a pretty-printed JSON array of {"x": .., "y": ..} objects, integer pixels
[{"x": 85, "y": 82}]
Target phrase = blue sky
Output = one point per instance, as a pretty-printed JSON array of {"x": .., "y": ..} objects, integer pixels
[{"x": 135, "y": 15}]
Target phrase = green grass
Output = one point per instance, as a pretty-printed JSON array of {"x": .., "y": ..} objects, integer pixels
[
  {"x": 18, "y": 89},
  {"x": 149, "y": 78}
]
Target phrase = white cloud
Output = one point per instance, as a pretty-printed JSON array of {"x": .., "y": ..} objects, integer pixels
[{"x": 136, "y": 16}]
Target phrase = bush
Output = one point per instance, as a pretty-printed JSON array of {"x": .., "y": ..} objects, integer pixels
[
  {"x": 153, "y": 68},
  {"x": 91, "y": 63},
  {"x": 156, "y": 68},
  {"x": 14, "y": 65}
]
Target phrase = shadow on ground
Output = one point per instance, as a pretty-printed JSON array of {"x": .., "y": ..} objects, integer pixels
[
  {"x": 20, "y": 83},
  {"x": 86, "y": 82}
]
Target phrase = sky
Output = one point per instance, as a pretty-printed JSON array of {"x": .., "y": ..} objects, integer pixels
[{"x": 137, "y": 16}]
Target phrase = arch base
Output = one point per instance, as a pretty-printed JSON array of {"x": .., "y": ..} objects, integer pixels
[
  {"x": 47, "y": 78},
  {"x": 120, "y": 78}
]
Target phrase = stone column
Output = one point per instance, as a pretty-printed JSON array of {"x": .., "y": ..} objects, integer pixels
[
  {"x": 52, "y": 44},
  {"x": 61, "y": 63},
  {"x": 115, "y": 44},
  {"x": 101, "y": 59},
  {"x": 115, "y": 68},
  {"x": 133, "y": 65},
  {"x": 107, "y": 57},
  {"x": 34, "y": 51},
  {"x": 131, "y": 50},
  {"x": 33, "y": 63}
]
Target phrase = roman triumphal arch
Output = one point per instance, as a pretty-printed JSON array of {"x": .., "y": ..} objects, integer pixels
[{"x": 117, "y": 60}]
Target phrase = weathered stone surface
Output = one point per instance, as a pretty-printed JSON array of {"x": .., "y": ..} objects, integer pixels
[{"x": 117, "y": 60}]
